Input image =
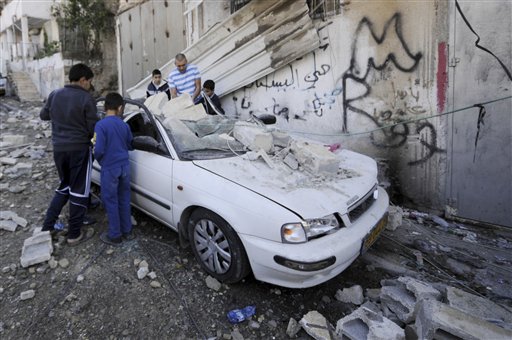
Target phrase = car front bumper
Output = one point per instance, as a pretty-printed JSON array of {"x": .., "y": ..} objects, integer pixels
[{"x": 332, "y": 253}]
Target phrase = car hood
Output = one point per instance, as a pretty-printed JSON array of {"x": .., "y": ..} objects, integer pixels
[{"x": 308, "y": 195}]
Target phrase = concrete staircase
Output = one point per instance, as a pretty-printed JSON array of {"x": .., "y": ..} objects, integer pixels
[{"x": 24, "y": 87}]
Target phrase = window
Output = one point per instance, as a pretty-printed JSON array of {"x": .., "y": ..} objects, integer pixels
[
  {"x": 237, "y": 4},
  {"x": 320, "y": 9}
]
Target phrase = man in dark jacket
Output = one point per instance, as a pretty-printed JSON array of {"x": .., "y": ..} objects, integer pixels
[
  {"x": 157, "y": 85},
  {"x": 73, "y": 114}
]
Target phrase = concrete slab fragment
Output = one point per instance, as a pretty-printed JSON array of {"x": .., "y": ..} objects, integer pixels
[
  {"x": 8, "y": 160},
  {"x": 478, "y": 307},
  {"x": 317, "y": 326},
  {"x": 15, "y": 139},
  {"x": 353, "y": 295},
  {"x": 156, "y": 102},
  {"x": 435, "y": 319},
  {"x": 36, "y": 249},
  {"x": 8, "y": 225},
  {"x": 364, "y": 323},
  {"x": 315, "y": 157},
  {"x": 253, "y": 137}
]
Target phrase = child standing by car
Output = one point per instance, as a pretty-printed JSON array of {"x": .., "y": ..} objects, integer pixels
[{"x": 113, "y": 140}]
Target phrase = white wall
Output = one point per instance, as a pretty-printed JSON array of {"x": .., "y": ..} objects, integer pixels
[{"x": 334, "y": 96}]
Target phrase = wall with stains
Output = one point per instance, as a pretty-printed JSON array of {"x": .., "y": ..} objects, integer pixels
[{"x": 380, "y": 71}]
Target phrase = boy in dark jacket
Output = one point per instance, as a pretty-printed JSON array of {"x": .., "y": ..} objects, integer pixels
[
  {"x": 72, "y": 112},
  {"x": 157, "y": 85},
  {"x": 113, "y": 140},
  {"x": 209, "y": 99}
]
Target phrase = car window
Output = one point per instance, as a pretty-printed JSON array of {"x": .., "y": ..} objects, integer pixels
[{"x": 141, "y": 127}]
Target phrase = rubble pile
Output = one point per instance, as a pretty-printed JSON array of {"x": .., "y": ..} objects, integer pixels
[
  {"x": 191, "y": 122},
  {"x": 407, "y": 308}
]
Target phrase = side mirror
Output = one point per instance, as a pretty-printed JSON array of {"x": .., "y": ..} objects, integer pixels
[
  {"x": 146, "y": 143},
  {"x": 266, "y": 119}
]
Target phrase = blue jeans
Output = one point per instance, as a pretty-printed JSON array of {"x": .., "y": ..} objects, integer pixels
[{"x": 115, "y": 194}]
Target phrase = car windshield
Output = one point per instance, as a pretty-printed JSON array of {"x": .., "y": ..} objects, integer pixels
[{"x": 206, "y": 138}]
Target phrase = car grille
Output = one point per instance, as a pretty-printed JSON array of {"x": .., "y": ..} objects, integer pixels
[{"x": 360, "y": 207}]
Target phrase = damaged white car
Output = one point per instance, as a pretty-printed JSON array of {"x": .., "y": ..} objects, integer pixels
[{"x": 251, "y": 199}]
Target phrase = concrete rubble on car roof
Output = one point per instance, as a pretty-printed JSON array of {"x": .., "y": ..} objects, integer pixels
[{"x": 190, "y": 121}]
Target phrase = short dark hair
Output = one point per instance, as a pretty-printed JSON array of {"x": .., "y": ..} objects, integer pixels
[
  {"x": 113, "y": 100},
  {"x": 78, "y": 71},
  {"x": 180, "y": 56},
  {"x": 209, "y": 84},
  {"x": 155, "y": 72}
]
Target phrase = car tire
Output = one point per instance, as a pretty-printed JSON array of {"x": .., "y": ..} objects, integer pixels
[{"x": 217, "y": 247}]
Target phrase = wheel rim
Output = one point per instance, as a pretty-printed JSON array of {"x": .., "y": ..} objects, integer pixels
[{"x": 212, "y": 246}]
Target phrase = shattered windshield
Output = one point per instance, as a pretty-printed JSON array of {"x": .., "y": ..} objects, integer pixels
[{"x": 207, "y": 138}]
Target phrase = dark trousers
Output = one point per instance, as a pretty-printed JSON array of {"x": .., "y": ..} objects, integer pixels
[
  {"x": 115, "y": 194},
  {"x": 74, "y": 168}
]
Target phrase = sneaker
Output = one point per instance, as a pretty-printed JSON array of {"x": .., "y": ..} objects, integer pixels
[
  {"x": 84, "y": 236},
  {"x": 112, "y": 241},
  {"x": 88, "y": 220},
  {"x": 129, "y": 236}
]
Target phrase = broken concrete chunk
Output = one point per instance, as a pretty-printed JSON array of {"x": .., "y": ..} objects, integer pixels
[
  {"x": 435, "y": 319},
  {"x": 36, "y": 249},
  {"x": 15, "y": 139},
  {"x": 291, "y": 161},
  {"x": 8, "y": 161},
  {"x": 293, "y": 328},
  {"x": 401, "y": 296},
  {"x": 315, "y": 157},
  {"x": 7, "y": 214},
  {"x": 28, "y": 294},
  {"x": 156, "y": 102},
  {"x": 253, "y": 137},
  {"x": 8, "y": 225},
  {"x": 142, "y": 272},
  {"x": 281, "y": 139},
  {"x": 20, "y": 221},
  {"x": 478, "y": 307},
  {"x": 395, "y": 217},
  {"x": 183, "y": 108},
  {"x": 353, "y": 295},
  {"x": 212, "y": 283},
  {"x": 366, "y": 324},
  {"x": 317, "y": 326}
]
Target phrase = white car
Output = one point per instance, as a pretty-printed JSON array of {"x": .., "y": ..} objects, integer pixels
[{"x": 241, "y": 213}]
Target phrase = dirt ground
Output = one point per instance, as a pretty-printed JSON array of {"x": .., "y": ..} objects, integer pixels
[{"x": 98, "y": 295}]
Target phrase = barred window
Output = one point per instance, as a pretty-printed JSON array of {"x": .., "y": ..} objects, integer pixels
[
  {"x": 237, "y": 4},
  {"x": 320, "y": 9}
]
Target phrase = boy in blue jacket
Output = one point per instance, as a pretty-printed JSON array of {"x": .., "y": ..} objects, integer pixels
[{"x": 113, "y": 140}]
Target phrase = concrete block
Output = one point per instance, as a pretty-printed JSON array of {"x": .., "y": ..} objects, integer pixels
[
  {"x": 36, "y": 249},
  {"x": 395, "y": 217},
  {"x": 20, "y": 221},
  {"x": 401, "y": 296},
  {"x": 8, "y": 225},
  {"x": 353, "y": 295},
  {"x": 366, "y": 324},
  {"x": 478, "y": 307},
  {"x": 291, "y": 161},
  {"x": 183, "y": 108},
  {"x": 253, "y": 137},
  {"x": 156, "y": 102},
  {"x": 317, "y": 326},
  {"x": 8, "y": 161},
  {"x": 315, "y": 157},
  {"x": 436, "y": 320},
  {"x": 15, "y": 139},
  {"x": 281, "y": 139}
]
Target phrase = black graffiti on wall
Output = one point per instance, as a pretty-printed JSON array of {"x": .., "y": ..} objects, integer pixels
[{"x": 395, "y": 55}]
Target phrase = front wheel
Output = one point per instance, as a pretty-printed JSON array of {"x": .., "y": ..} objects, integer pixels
[{"x": 216, "y": 247}]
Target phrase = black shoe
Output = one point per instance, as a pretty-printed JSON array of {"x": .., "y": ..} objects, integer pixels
[
  {"x": 112, "y": 241},
  {"x": 129, "y": 236},
  {"x": 88, "y": 220}
]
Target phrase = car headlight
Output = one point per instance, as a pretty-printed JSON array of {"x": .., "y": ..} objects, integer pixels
[
  {"x": 309, "y": 229},
  {"x": 293, "y": 233},
  {"x": 319, "y": 226}
]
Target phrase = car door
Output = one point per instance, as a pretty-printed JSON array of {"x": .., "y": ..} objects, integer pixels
[{"x": 151, "y": 173}]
